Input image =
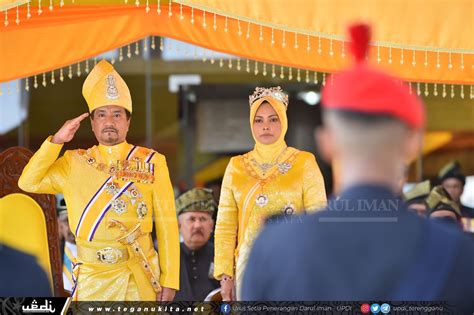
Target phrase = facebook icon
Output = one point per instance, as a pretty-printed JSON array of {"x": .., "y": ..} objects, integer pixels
[{"x": 225, "y": 308}]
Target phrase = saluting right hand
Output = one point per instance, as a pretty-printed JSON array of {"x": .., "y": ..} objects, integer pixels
[{"x": 68, "y": 130}]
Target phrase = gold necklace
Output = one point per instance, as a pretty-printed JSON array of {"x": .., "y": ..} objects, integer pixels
[
  {"x": 264, "y": 167},
  {"x": 262, "y": 199}
]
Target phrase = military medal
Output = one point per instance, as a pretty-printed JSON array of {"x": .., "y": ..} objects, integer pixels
[
  {"x": 133, "y": 194},
  {"x": 142, "y": 210},
  {"x": 112, "y": 188},
  {"x": 289, "y": 209},
  {"x": 119, "y": 206},
  {"x": 261, "y": 200}
]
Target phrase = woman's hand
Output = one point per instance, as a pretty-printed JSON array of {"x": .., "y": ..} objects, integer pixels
[{"x": 227, "y": 288}]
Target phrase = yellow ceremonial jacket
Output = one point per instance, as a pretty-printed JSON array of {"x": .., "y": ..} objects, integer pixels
[
  {"x": 98, "y": 195},
  {"x": 298, "y": 188}
]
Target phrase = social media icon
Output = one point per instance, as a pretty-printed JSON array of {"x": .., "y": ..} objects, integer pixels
[
  {"x": 385, "y": 308},
  {"x": 225, "y": 308},
  {"x": 365, "y": 308},
  {"x": 375, "y": 308}
]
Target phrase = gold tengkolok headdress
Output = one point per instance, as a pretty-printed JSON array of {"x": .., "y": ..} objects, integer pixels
[
  {"x": 104, "y": 86},
  {"x": 275, "y": 92}
]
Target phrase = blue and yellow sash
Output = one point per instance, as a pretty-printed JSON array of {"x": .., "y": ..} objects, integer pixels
[{"x": 101, "y": 202}]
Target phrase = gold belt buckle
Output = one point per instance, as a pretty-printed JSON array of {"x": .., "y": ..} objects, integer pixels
[{"x": 109, "y": 255}]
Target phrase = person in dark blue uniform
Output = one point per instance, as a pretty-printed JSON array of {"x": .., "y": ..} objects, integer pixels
[
  {"x": 453, "y": 180},
  {"x": 21, "y": 275},
  {"x": 195, "y": 210},
  {"x": 365, "y": 245}
]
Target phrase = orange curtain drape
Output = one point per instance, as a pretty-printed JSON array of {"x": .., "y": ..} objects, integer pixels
[{"x": 74, "y": 33}]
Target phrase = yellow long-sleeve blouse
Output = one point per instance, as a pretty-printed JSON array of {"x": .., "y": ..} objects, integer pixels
[
  {"x": 77, "y": 175},
  {"x": 300, "y": 188}
]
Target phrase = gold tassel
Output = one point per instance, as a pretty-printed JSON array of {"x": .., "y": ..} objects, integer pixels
[
  {"x": 28, "y": 12},
  {"x": 137, "y": 49},
  {"x": 17, "y": 20},
  {"x": 378, "y": 54}
]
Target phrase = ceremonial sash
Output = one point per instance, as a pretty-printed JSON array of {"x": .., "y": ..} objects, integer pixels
[{"x": 101, "y": 202}]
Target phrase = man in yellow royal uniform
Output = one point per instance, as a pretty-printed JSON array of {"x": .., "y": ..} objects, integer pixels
[{"x": 114, "y": 192}]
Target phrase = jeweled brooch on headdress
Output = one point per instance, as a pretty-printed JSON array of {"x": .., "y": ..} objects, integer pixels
[
  {"x": 275, "y": 92},
  {"x": 112, "y": 92}
]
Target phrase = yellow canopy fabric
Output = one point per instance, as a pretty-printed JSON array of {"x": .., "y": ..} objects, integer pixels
[{"x": 415, "y": 41}]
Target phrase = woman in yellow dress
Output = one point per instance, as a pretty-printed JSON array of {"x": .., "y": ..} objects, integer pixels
[{"x": 271, "y": 179}]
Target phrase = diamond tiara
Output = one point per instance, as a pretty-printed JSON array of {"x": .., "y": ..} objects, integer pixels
[{"x": 275, "y": 92}]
